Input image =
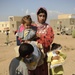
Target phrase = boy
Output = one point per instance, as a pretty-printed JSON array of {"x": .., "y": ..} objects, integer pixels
[{"x": 18, "y": 65}]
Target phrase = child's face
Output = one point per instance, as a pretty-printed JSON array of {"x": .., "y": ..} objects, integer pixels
[{"x": 27, "y": 25}]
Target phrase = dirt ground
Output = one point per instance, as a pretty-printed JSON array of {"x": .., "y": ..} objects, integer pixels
[{"x": 7, "y": 53}]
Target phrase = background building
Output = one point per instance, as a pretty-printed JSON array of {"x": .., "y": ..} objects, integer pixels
[
  {"x": 4, "y": 25},
  {"x": 12, "y": 24},
  {"x": 64, "y": 21}
]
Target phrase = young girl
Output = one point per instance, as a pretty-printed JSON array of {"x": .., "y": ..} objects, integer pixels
[
  {"x": 26, "y": 33},
  {"x": 55, "y": 60}
]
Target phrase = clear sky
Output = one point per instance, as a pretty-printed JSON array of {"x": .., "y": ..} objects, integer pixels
[{"x": 23, "y": 7}]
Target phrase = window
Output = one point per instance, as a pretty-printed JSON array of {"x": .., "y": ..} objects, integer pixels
[
  {"x": 2, "y": 25},
  {"x": 12, "y": 25}
]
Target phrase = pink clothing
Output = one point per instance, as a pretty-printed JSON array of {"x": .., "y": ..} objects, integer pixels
[
  {"x": 46, "y": 35},
  {"x": 21, "y": 28}
]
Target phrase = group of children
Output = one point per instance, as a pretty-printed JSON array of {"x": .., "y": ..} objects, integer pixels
[{"x": 30, "y": 53}]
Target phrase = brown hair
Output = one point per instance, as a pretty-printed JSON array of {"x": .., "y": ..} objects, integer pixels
[{"x": 26, "y": 18}]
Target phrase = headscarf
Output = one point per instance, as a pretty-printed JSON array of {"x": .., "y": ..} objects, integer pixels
[{"x": 42, "y": 10}]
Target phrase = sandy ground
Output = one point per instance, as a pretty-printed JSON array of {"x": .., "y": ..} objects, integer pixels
[{"x": 7, "y": 53}]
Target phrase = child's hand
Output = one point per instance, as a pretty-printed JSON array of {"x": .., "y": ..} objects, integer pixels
[
  {"x": 41, "y": 49},
  {"x": 37, "y": 35}
]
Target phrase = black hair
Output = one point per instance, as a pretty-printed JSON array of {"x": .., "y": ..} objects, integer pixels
[
  {"x": 42, "y": 10},
  {"x": 25, "y": 49},
  {"x": 55, "y": 46}
]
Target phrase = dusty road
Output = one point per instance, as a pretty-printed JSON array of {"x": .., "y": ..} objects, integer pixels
[{"x": 7, "y": 53}]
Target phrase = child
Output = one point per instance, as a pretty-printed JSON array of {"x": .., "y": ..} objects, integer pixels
[
  {"x": 55, "y": 60},
  {"x": 37, "y": 56},
  {"x": 28, "y": 33},
  {"x": 18, "y": 65}
]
